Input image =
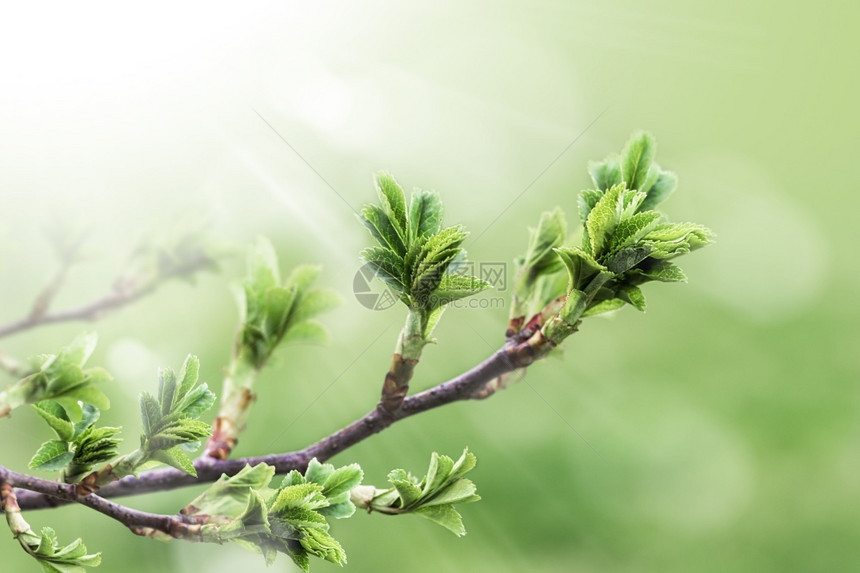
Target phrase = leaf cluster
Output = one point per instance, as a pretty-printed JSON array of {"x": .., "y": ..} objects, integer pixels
[
  {"x": 625, "y": 242},
  {"x": 432, "y": 496},
  {"x": 79, "y": 445},
  {"x": 170, "y": 418},
  {"x": 536, "y": 281},
  {"x": 63, "y": 378},
  {"x": 291, "y": 518},
  {"x": 272, "y": 311},
  {"x": 416, "y": 257}
]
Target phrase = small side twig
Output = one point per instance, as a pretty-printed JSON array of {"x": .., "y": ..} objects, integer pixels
[
  {"x": 13, "y": 367},
  {"x": 139, "y": 522},
  {"x": 124, "y": 292}
]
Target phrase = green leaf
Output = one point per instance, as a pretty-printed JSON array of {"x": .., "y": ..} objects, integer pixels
[
  {"x": 89, "y": 415},
  {"x": 316, "y": 473},
  {"x": 96, "y": 445},
  {"x": 338, "y": 510},
  {"x": 262, "y": 265},
  {"x": 342, "y": 480},
  {"x": 587, "y": 200},
  {"x": 230, "y": 495},
  {"x": 387, "y": 265},
  {"x": 176, "y": 458},
  {"x": 303, "y": 276},
  {"x": 657, "y": 270},
  {"x": 56, "y": 417},
  {"x": 459, "y": 491},
  {"x": 455, "y": 287},
  {"x": 166, "y": 390},
  {"x": 320, "y": 543},
  {"x": 150, "y": 413},
  {"x": 431, "y": 497},
  {"x": 406, "y": 485},
  {"x": 382, "y": 229},
  {"x": 433, "y": 260},
  {"x": 425, "y": 214},
  {"x": 603, "y": 219},
  {"x": 444, "y": 515},
  {"x": 437, "y": 474},
  {"x": 550, "y": 233},
  {"x": 307, "y": 332},
  {"x": 196, "y": 402},
  {"x": 607, "y": 305},
  {"x": 633, "y": 229},
  {"x": 181, "y": 431},
  {"x": 393, "y": 201},
  {"x": 633, "y": 295},
  {"x": 660, "y": 191},
  {"x": 54, "y": 558},
  {"x": 52, "y": 455},
  {"x": 626, "y": 258},
  {"x": 636, "y": 159},
  {"x": 79, "y": 350},
  {"x": 307, "y": 496},
  {"x": 696, "y": 236},
  {"x": 464, "y": 464},
  {"x": 88, "y": 395},
  {"x": 581, "y": 266},
  {"x": 605, "y": 174},
  {"x": 188, "y": 376},
  {"x": 315, "y": 303},
  {"x": 276, "y": 310}
]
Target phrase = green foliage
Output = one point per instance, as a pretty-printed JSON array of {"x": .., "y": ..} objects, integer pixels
[
  {"x": 63, "y": 378},
  {"x": 53, "y": 558},
  {"x": 80, "y": 446},
  {"x": 291, "y": 519},
  {"x": 625, "y": 243},
  {"x": 414, "y": 256},
  {"x": 272, "y": 312},
  {"x": 169, "y": 418},
  {"x": 432, "y": 497},
  {"x": 538, "y": 263}
]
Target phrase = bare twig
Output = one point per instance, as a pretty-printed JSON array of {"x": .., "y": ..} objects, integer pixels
[
  {"x": 124, "y": 292},
  {"x": 139, "y": 522},
  {"x": 13, "y": 367},
  {"x": 68, "y": 254},
  {"x": 508, "y": 358}
]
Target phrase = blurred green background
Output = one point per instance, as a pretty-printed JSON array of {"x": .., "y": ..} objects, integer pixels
[{"x": 722, "y": 426}]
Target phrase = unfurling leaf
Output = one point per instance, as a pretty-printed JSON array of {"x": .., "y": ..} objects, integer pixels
[
  {"x": 45, "y": 548},
  {"x": 432, "y": 497}
]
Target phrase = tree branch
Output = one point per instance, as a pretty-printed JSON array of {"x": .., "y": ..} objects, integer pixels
[
  {"x": 91, "y": 311},
  {"x": 139, "y": 522},
  {"x": 510, "y": 357},
  {"x": 125, "y": 291},
  {"x": 13, "y": 367}
]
